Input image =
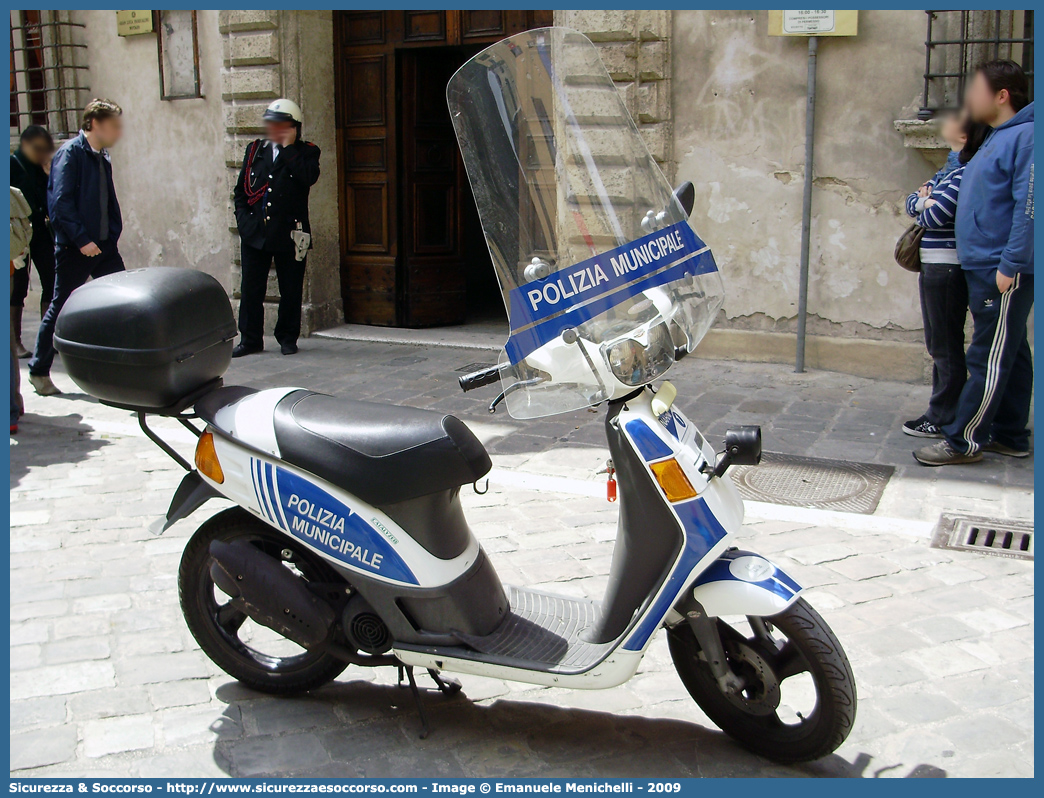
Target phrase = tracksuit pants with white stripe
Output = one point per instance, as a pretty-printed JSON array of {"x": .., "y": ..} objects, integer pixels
[{"x": 995, "y": 402}]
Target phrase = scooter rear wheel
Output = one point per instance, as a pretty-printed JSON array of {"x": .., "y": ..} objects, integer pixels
[
  {"x": 763, "y": 717},
  {"x": 226, "y": 635}
]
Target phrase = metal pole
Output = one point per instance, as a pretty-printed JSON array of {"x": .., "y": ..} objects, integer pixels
[{"x": 806, "y": 203}]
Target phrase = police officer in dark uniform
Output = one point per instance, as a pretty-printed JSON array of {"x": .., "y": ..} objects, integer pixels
[{"x": 271, "y": 200}]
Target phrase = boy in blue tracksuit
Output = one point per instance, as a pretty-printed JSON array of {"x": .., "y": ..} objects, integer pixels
[{"x": 994, "y": 230}]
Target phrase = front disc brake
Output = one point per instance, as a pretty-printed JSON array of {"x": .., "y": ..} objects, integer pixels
[{"x": 760, "y": 695}]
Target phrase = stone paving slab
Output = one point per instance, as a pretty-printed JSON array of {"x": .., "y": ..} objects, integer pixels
[{"x": 107, "y": 681}]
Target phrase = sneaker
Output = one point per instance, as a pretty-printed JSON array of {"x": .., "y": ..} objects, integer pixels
[
  {"x": 941, "y": 453},
  {"x": 922, "y": 428},
  {"x": 42, "y": 385},
  {"x": 1007, "y": 451},
  {"x": 242, "y": 350}
]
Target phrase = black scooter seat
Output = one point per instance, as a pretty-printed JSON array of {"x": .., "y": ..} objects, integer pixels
[{"x": 381, "y": 453}]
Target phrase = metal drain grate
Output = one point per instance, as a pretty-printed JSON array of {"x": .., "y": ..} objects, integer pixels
[
  {"x": 1001, "y": 538},
  {"x": 474, "y": 367},
  {"x": 811, "y": 482}
]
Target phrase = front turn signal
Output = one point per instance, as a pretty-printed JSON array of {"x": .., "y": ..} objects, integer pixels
[
  {"x": 207, "y": 459},
  {"x": 673, "y": 480}
]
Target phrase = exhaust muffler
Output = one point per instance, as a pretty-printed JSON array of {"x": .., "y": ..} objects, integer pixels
[{"x": 270, "y": 593}]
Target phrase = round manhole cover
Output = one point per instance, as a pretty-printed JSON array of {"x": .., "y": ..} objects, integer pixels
[
  {"x": 805, "y": 484},
  {"x": 813, "y": 482}
]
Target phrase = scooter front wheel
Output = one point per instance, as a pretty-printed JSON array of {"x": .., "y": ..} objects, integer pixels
[
  {"x": 245, "y": 650},
  {"x": 798, "y": 700}
]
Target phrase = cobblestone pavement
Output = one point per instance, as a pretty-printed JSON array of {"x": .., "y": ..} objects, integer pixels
[{"x": 107, "y": 681}]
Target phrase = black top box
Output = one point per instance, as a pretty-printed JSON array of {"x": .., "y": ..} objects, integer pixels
[{"x": 147, "y": 339}]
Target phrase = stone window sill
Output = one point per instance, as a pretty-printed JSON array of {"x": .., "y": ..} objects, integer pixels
[{"x": 924, "y": 136}]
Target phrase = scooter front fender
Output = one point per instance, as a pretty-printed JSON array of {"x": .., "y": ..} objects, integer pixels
[{"x": 744, "y": 583}]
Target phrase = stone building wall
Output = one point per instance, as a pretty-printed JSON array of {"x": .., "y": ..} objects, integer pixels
[
  {"x": 718, "y": 101},
  {"x": 636, "y": 49},
  {"x": 267, "y": 55}
]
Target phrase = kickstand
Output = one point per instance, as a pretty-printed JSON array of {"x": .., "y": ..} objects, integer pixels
[
  {"x": 416, "y": 698},
  {"x": 446, "y": 684}
]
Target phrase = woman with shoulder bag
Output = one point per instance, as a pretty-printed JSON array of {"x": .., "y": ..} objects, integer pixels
[{"x": 944, "y": 292}]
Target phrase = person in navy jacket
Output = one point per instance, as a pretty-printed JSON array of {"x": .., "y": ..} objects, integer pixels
[
  {"x": 85, "y": 217},
  {"x": 271, "y": 200},
  {"x": 994, "y": 236}
]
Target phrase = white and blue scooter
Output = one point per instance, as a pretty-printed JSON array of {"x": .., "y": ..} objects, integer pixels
[{"x": 348, "y": 544}]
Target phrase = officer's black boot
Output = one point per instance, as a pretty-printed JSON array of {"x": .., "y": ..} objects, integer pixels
[{"x": 242, "y": 350}]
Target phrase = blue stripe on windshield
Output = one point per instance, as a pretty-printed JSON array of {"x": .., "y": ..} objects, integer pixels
[{"x": 523, "y": 342}]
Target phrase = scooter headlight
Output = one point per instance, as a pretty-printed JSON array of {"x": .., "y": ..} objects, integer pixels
[{"x": 635, "y": 361}]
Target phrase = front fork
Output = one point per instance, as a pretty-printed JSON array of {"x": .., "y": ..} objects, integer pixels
[{"x": 705, "y": 628}]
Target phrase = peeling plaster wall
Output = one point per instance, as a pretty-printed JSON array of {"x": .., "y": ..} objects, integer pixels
[
  {"x": 169, "y": 166},
  {"x": 739, "y": 132}
]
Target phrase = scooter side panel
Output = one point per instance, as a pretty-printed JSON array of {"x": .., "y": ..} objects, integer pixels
[
  {"x": 708, "y": 520},
  {"x": 725, "y": 582},
  {"x": 250, "y": 419},
  {"x": 314, "y": 516},
  {"x": 336, "y": 525}
]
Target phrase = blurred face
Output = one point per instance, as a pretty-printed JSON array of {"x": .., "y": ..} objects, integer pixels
[
  {"x": 277, "y": 131},
  {"x": 107, "y": 131},
  {"x": 952, "y": 130},
  {"x": 982, "y": 103},
  {"x": 38, "y": 151}
]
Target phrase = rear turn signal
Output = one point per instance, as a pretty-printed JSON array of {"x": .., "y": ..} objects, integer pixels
[
  {"x": 673, "y": 480},
  {"x": 207, "y": 459}
]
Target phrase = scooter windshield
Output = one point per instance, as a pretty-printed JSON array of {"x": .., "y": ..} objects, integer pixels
[{"x": 604, "y": 280}]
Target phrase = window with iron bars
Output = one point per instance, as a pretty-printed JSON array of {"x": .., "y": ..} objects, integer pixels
[
  {"x": 958, "y": 41},
  {"x": 48, "y": 75}
]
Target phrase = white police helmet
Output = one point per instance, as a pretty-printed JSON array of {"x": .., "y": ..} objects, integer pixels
[{"x": 283, "y": 110}]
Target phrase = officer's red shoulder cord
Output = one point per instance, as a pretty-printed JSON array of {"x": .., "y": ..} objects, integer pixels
[{"x": 252, "y": 194}]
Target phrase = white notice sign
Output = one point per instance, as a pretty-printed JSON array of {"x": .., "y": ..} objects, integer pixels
[{"x": 809, "y": 22}]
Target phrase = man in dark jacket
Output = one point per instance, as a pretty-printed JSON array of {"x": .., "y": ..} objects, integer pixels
[
  {"x": 271, "y": 198},
  {"x": 994, "y": 226},
  {"x": 85, "y": 217},
  {"x": 30, "y": 164}
]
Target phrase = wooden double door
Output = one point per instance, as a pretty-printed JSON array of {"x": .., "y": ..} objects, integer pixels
[{"x": 412, "y": 251}]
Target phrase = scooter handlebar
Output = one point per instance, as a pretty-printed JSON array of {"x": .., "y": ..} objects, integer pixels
[{"x": 478, "y": 379}]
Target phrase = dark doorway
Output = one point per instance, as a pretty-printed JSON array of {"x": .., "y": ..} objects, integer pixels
[
  {"x": 446, "y": 276},
  {"x": 412, "y": 249}
]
